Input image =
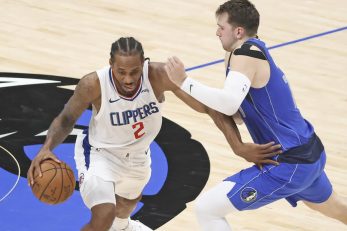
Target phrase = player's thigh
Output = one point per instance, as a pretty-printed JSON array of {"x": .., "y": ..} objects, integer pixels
[
  {"x": 335, "y": 206},
  {"x": 132, "y": 181},
  {"x": 319, "y": 191},
  {"x": 95, "y": 190}
]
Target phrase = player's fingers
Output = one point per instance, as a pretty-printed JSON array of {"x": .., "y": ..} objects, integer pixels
[
  {"x": 168, "y": 67},
  {"x": 29, "y": 175},
  {"x": 275, "y": 148},
  {"x": 270, "y": 162},
  {"x": 267, "y": 148},
  {"x": 267, "y": 145},
  {"x": 177, "y": 61},
  {"x": 37, "y": 168},
  {"x": 267, "y": 155},
  {"x": 170, "y": 64},
  {"x": 34, "y": 171},
  {"x": 55, "y": 159},
  {"x": 172, "y": 61},
  {"x": 260, "y": 166}
]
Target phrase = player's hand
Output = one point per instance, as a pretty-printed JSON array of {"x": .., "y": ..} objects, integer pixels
[
  {"x": 259, "y": 153},
  {"x": 175, "y": 70},
  {"x": 35, "y": 168}
]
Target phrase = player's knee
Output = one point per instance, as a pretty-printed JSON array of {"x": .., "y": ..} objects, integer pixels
[
  {"x": 103, "y": 216},
  {"x": 125, "y": 206},
  {"x": 202, "y": 206}
]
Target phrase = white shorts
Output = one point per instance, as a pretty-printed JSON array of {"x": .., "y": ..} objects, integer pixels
[{"x": 103, "y": 174}]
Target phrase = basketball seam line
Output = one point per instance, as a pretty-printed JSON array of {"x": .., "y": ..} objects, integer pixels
[
  {"x": 62, "y": 184},
  {"x": 48, "y": 183}
]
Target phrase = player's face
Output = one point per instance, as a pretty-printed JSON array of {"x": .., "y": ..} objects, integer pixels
[
  {"x": 127, "y": 71},
  {"x": 226, "y": 33}
]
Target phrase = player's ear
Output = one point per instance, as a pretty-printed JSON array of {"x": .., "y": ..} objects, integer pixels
[
  {"x": 110, "y": 61},
  {"x": 240, "y": 32}
]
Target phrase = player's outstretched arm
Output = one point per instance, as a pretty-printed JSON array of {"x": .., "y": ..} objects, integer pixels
[
  {"x": 86, "y": 92},
  {"x": 226, "y": 100},
  {"x": 162, "y": 83},
  {"x": 256, "y": 153}
]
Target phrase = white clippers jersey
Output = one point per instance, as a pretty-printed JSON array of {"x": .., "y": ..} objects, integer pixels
[{"x": 123, "y": 123}]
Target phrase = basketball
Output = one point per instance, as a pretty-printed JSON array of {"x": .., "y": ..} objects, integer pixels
[{"x": 56, "y": 184}]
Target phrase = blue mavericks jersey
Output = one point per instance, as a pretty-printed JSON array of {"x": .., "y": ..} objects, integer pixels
[{"x": 270, "y": 112}]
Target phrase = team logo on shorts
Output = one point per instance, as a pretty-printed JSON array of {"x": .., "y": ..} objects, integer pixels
[
  {"x": 30, "y": 102},
  {"x": 248, "y": 194},
  {"x": 81, "y": 179}
]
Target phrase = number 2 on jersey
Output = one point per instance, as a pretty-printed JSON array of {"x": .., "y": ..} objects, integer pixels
[{"x": 139, "y": 127}]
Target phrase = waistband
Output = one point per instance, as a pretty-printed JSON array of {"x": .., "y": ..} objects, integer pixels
[{"x": 304, "y": 154}]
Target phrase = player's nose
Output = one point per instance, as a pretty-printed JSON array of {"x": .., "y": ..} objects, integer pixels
[{"x": 218, "y": 32}]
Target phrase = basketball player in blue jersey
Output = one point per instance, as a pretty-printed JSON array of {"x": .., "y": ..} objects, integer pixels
[
  {"x": 112, "y": 156},
  {"x": 257, "y": 91}
]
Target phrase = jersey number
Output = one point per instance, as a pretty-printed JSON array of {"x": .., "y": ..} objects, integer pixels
[{"x": 139, "y": 127}]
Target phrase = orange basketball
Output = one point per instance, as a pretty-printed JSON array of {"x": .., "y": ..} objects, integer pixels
[{"x": 56, "y": 184}]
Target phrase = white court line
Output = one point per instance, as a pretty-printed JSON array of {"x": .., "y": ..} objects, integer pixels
[{"x": 18, "y": 173}]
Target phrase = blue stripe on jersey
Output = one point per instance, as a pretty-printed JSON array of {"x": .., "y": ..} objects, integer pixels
[
  {"x": 86, "y": 146},
  {"x": 270, "y": 113},
  {"x": 120, "y": 96}
]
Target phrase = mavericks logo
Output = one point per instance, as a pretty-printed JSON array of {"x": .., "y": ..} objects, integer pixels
[
  {"x": 29, "y": 103},
  {"x": 248, "y": 194}
]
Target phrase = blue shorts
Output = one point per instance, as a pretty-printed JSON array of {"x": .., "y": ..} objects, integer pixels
[{"x": 255, "y": 188}]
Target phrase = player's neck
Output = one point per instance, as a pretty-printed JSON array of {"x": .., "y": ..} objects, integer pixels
[{"x": 239, "y": 43}]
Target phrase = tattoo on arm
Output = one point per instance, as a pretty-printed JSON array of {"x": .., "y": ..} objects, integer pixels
[{"x": 63, "y": 124}]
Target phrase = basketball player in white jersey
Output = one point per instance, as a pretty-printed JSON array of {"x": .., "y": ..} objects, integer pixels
[{"x": 113, "y": 156}]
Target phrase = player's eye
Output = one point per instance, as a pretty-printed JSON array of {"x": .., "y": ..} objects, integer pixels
[{"x": 134, "y": 72}]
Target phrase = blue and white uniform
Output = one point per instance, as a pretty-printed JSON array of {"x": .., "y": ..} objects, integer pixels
[{"x": 270, "y": 114}]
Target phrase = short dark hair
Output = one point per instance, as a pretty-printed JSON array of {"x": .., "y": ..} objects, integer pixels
[
  {"x": 126, "y": 46},
  {"x": 241, "y": 13}
]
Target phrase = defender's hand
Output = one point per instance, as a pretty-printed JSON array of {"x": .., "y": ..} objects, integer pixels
[
  {"x": 259, "y": 153},
  {"x": 175, "y": 70},
  {"x": 35, "y": 168}
]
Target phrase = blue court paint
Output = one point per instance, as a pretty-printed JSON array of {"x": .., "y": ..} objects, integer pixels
[
  {"x": 84, "y": 118},
  {"x": 273, "y": 47}
]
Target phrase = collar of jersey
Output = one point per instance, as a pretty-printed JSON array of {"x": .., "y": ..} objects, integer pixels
[{"x": 122, "y": 96}]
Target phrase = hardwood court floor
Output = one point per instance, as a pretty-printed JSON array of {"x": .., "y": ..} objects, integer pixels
[{"x": 72, "y": 38}]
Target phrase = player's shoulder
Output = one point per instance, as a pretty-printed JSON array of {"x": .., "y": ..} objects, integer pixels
[
  {"x": 159, "y": 78},
  {"x": 90, "y": 79},
  {"x": 156, "y": 71},
  {"x": 90, "y": 84},
  {"x": 156, "y": 68},
  {"x": 250, "y": 51}
]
